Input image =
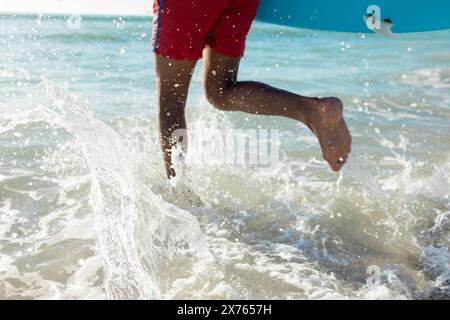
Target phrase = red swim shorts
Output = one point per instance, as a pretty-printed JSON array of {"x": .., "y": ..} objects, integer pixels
[{"x": 182, "y": 28}]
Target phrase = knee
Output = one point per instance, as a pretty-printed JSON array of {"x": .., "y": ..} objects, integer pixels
[{"x": 216, "y": 95}]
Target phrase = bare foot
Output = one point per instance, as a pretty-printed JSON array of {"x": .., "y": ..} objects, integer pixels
[{"x": 328, "y": 124}]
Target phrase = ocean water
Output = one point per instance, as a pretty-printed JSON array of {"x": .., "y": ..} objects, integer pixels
[{"x": 86, "y": 212}]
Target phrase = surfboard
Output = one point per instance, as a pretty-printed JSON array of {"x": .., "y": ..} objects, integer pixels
[{"x": 358, "y": 15}]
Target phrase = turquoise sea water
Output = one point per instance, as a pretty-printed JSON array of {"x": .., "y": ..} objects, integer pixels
[{"x": 85, "y": 210}]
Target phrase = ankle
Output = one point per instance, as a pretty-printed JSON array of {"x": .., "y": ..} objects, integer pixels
[{"x": 324, "y": 110}]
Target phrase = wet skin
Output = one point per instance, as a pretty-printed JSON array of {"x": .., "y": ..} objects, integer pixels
[{"x": 324, "y": 116}]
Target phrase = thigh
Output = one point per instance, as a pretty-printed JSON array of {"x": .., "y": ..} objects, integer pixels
[
  {"x": 181, "y": 27},
  {"x": 218, "y": 70},
  {"x": 229, "y": 32}
]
